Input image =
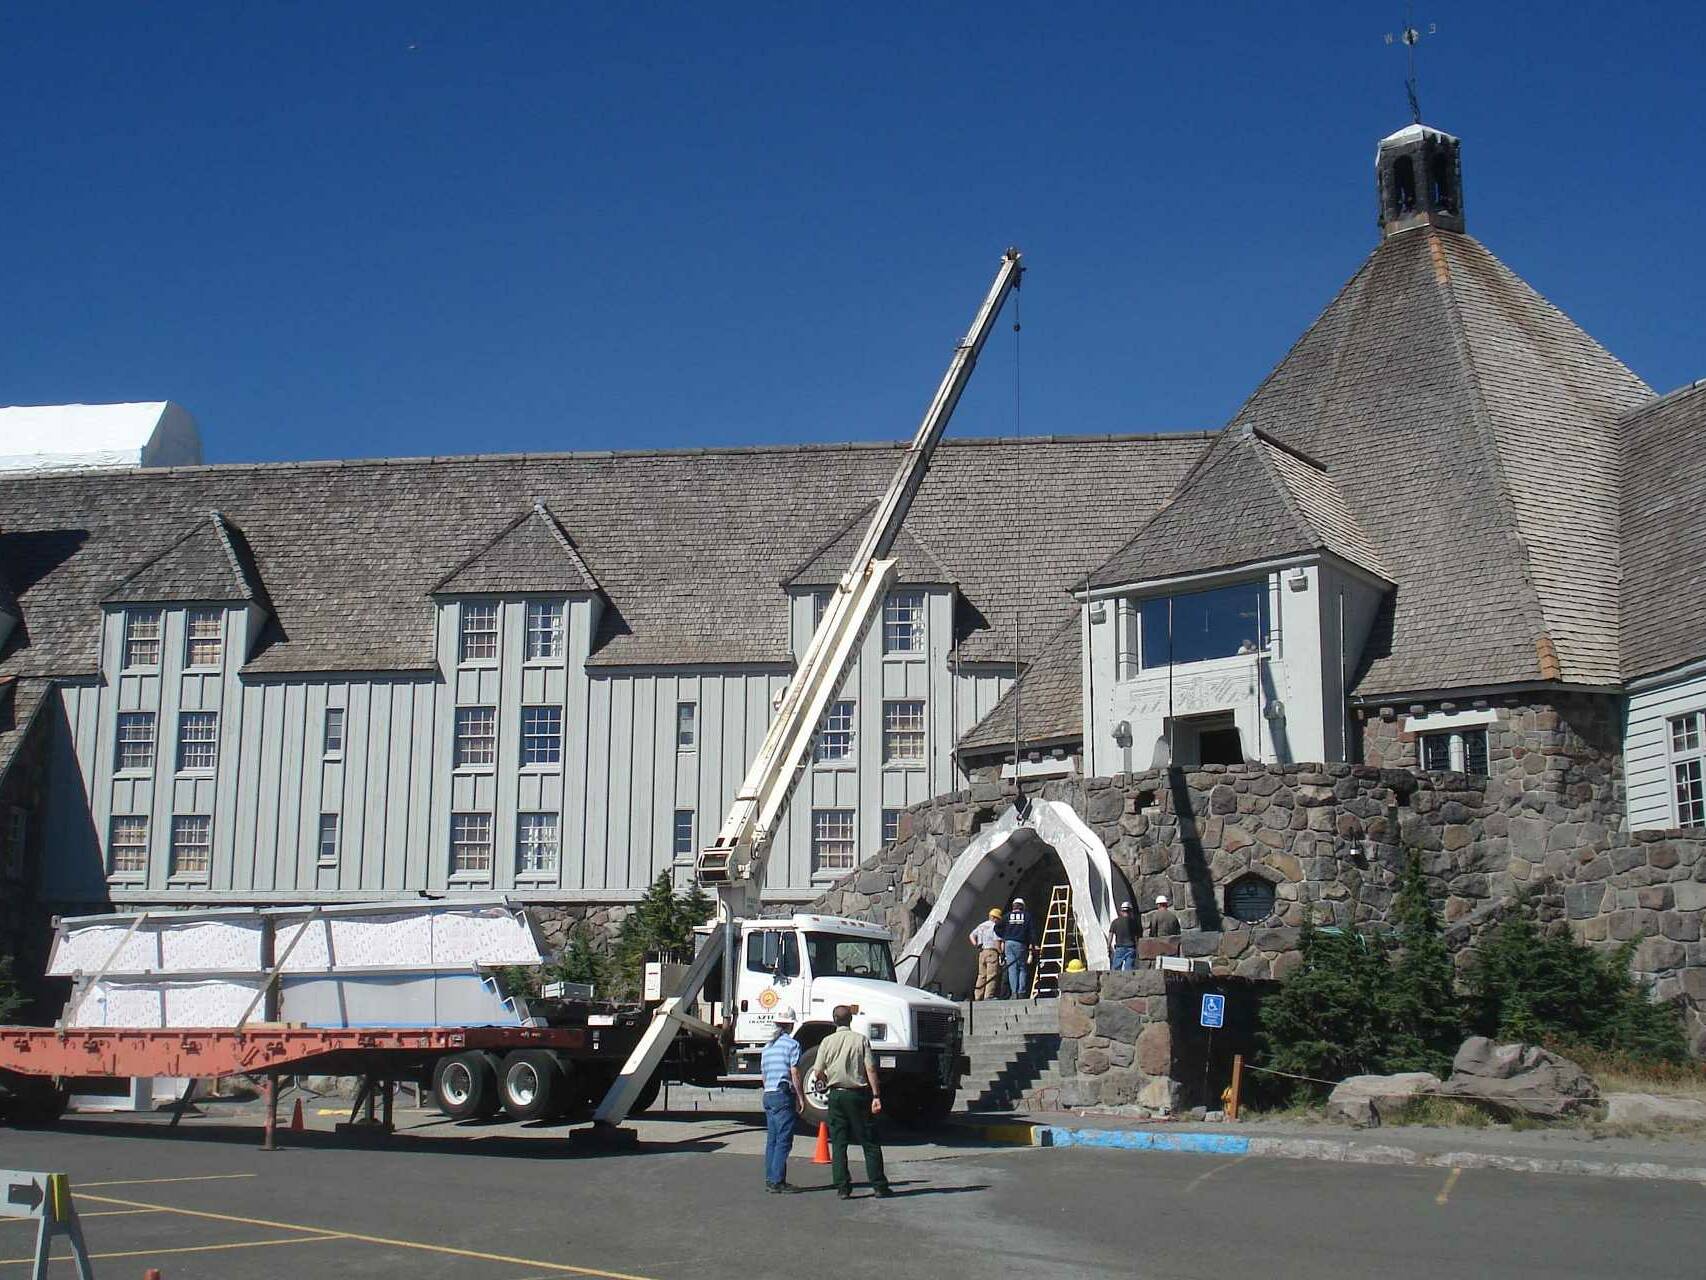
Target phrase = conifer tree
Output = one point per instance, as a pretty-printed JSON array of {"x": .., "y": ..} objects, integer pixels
[{"x": 1421, "y": 1001}]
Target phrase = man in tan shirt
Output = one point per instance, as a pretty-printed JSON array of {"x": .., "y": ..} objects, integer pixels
[{"x": 845, "y": 1063}]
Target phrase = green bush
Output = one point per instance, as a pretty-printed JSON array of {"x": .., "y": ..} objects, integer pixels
[{"x": 1526, "y": 986}]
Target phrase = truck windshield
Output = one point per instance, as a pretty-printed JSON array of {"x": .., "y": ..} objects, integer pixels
[{"x": 835, "y": 955}]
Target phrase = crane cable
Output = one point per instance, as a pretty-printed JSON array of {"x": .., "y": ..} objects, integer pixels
[{"x": 1018, "y": 606}]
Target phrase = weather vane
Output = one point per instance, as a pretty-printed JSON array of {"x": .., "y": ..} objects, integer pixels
[{"x": 1410, "y": 37}]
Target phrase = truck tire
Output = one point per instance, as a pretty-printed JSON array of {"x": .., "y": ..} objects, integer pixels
[
  {"x": 533, "y": 1085},
  {"x": 814, "y": 1107},
  {"x": 465, "y": 1086}
]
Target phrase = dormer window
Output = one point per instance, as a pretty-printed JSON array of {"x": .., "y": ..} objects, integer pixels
[
  {"x": 544, "y": 630},
  {"x": 903, "y": 622},
  {"x": 204, "y": 636},
  {"x": 479, "y": 632},
  {"x": 1221, "y": 623}
]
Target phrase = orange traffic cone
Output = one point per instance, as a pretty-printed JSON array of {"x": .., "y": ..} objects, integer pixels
[
  {"x": 821, "y": 1155},
  {"x": 296, "y": 1124}
]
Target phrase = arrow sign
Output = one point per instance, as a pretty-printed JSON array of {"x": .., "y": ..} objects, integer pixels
[{"x": 25, "y": 1193}]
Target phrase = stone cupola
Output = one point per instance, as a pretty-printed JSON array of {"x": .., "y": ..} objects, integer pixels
[{"x": 1420, "y": 178}]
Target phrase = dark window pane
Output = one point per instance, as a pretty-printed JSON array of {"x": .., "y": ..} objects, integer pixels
[
  {"x": 1250, "y": 899},
  {"x": 1436, "y": 751},
  {"x": 1205, "y": 624},
  {"x": 1475, "y": 751}
]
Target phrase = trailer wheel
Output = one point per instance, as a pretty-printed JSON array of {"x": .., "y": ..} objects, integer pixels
[
  {"x": 32, "y": 1100},
  {"x": 814, "y": 1107},
  {"x": 465, "y": 1086},
  {"x": 534, "y": 1085}
]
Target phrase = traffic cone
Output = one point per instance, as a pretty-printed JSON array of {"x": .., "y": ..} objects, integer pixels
[
  {"x": 821, "y": 1155},
  {"x": 296, "y": 1124}
]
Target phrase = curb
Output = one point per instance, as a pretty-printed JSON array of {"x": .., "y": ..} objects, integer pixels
[{"x": 1048, "y": 1135}]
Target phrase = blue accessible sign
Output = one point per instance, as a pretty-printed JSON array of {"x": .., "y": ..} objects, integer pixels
[{"x": 1213, "y": 1011}]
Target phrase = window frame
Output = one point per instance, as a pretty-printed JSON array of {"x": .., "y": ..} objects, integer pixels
[
  {"x": 132, "y": 618},
  {"x": 1685, "y": 750},
  {"x": 834, "y": 712},
  {"x": 120, "y": 768},
  {"x": 547, "y": 745},
  {"x": 209, "y": 719},
  {"x": 461, "y": 763},
  {"x": 459, "y": 821},
  {"x": 915, "y": 602},
  {"x": 1457, "y": 748},
  {"x": 891, "y": 732},
  {"x": 891, "y": 825},
  {"x": 469, "y": 610},
  {"x": 529, "y": 823},
  {"x": 114, "y": 871},
  {"x": 681, "y": 842},
  {"x": 191, "y": 617},
  {"x": 181, "y": 822},
  {"x": 846, "y": 824},
  {"x": 1136, "y": 646},
  {"x": 686, "y": 725},
  {"x": 331, "y": 824},
  {"x": 327, "y": 750},
  {"x": 557, "y": 634}
]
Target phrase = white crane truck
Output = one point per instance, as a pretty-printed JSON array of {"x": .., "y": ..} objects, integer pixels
[{"x": 747, "y": 967}]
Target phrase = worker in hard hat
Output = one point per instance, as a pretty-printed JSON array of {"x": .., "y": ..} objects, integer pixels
[
  {"x": 780, "y": 1063},
  {"x": 1122, "y": 938},
  {"x": 1163, "y": 923},
  {"x": 1019, "y": 944},
  {"x": 987, "y": 939}
]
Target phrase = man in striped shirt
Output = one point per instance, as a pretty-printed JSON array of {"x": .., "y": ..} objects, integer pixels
[{"x": 780, "y": 1064}]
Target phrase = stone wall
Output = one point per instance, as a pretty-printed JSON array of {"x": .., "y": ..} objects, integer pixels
[{"x": 1115, "y": 1046}]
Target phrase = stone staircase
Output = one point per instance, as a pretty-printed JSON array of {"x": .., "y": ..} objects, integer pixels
[{"x": 1012, "y": 1048}]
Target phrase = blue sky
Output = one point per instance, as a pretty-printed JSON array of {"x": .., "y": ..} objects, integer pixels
[{"x": 369, "y": 229}]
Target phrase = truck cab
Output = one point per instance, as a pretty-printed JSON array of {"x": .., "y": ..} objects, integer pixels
[{"x": 812, "y": 963}]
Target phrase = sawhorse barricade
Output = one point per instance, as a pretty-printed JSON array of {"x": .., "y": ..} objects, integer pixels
[{"x": 45, "y": 1197}]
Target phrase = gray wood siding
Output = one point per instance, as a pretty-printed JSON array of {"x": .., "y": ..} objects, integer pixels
[{"x": 1646, "y": 749}]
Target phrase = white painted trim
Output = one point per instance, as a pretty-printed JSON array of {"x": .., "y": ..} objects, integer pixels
[
  {"x": 1236, "y": 573},
  {"x": 1456, "y": 720},
  {"x": 1686, "y": 671}
]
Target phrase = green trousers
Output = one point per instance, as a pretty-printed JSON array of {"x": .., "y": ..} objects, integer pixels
[{"x": 850, "y": 1120}]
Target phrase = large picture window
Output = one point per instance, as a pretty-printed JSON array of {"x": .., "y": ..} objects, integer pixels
[
  {"x": 1688, "y": 767},
  {"x": 1220, "y": 623}
]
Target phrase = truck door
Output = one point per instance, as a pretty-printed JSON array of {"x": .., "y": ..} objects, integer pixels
[{"x": 769, "y": 979}]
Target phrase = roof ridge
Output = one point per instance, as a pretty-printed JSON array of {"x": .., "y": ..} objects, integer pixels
[
  {"x": 567, "y": 543},
  {"x": 1305, "y": 525}
]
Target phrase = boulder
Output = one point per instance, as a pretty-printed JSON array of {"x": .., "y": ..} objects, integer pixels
[
  {"x": 1653, "y": 1110},
  {"x": 1518, "y": 1079},
  {"x": 1365, "y": 1101}
]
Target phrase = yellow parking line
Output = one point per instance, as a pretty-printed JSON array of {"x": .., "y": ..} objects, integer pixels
[
  {"x": 1450, "y": 1182},
  {"x": 142, "y": 1182},
  {"x": 553, "y": 1268},
  {"x": 188, "y": 1248},
  {"x": 1204, "y": 1177}
]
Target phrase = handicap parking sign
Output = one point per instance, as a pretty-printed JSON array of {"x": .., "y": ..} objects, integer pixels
[{"x": 1213, "y": 1011}]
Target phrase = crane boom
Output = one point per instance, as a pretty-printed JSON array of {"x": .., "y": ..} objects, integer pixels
[{"x": 734, "y": 863}]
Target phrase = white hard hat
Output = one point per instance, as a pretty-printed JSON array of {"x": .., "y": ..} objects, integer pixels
[
  {"x": 784, "y": 1013},
  {"x": 1160, "y": 899}
]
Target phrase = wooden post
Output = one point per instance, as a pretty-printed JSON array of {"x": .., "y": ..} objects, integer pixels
[
  {"x": 1237, "y": 1084},
  {"x": 269, "y": 1133}
]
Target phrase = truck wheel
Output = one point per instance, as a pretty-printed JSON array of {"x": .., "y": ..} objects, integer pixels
[
  {"x": 465, "y": 1086},
  {"x": 814, "y": 1107},
  {"x": 534, "y": 1085},
  {"x": 34, "y": 1100}
]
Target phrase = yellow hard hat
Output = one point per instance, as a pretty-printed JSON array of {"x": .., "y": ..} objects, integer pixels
[
  {"x": 995, "y": 913},
  {"x": 1075, "y": 965}
]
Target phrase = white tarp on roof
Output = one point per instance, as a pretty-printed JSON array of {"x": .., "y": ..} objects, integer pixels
[{"x": 74, "y": 437}]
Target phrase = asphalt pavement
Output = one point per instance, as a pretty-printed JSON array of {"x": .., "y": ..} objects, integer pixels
[{"x": 505, "y": 1203}]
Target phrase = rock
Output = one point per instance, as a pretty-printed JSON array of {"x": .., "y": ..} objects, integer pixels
[
  {"x": 1160, "y": 1095},
  {"x": 1653, "y": 1110},
  {"x": 1155, "y": 1049},
  {"x": 1074, "y": 1018},
  {"x": 1092, "y": 1062},
  {"x": 1365, "y": 1101},
  {"x": 1518, "y": 1079},
  {"x": 1117, "y": 1022}
]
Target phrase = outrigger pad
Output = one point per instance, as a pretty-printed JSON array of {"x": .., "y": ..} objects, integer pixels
[{"x": 606, "y": 1137}]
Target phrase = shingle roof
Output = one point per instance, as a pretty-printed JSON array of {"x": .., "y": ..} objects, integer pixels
[
  {"x": 1249, "y": 499},
  {"x": 20, "y": 701},
  {"x": 1050, "y": 697},
  {"x": 1664, "y": 533},
  {"x": 688, "y": 547},
  {"x": 1471, "y": 430},
  {"x": 914, "y": 562},
  {"x": 531, "y": 553},
  {"x": 206, "y": 561}
]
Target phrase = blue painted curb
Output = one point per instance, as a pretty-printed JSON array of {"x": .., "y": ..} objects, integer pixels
[{"x": 1142, "y": 1140}]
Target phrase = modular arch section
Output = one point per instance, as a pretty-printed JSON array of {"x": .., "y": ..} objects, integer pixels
[{"x": 981, "y": 877}]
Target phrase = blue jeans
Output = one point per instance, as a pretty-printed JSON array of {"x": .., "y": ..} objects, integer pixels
[
  {"x": 1125, "y": 957},
  {"x": 1018, "y": 973},
  {"x": 778, "y": 1134}
]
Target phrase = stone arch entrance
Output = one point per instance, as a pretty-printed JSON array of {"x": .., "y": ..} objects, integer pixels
[{"x": 1004, "y": 855}]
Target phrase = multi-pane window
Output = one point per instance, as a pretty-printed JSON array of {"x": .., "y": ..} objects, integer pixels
[
  {"x": 832, "y": 840},
  {"x": 1688, "y": 767},
  {"x": 683, "y": 835},
  {"x": 142, "y": 638},
  {"x": 479, "y": 632},
  {"x": 835, "y": 734},
  {"x": 535, "y": 844},
  {"x": 1459, "y": 751},
  {"x": 133, "y": 744},
  {"x": 127, "y": 848},
  {"x": 470, "y": 844},
  {"x": 332, "y": 734},
  {"x": 903, "y": 622},
  {"x": 198, "y": 740},
  {"x": 476, "y": 736},
  {"x": 328, "y": 849},
  {"x": 541, "y": 735},
  {"x": 192, "y": 844},
  {"x": 891, "y": 825},
  {"x": 903, "y": 732},
  {"x": 204, "y": 637},
  {"x": 544, "y": 629},
  {"x": 686, "y": 725}
]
